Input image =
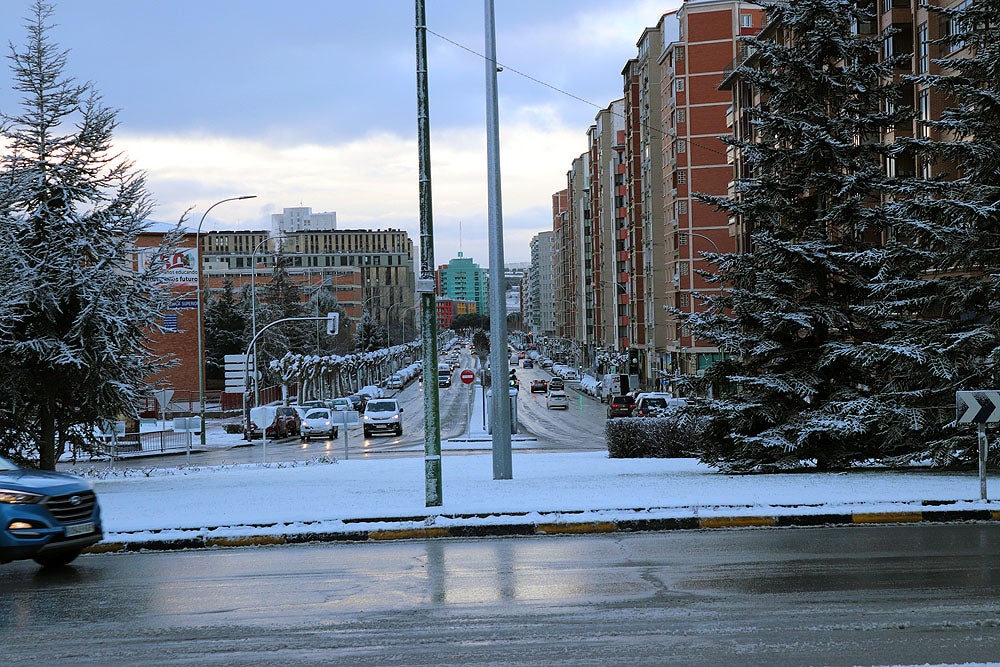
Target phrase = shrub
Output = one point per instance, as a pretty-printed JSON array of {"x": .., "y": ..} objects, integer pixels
[{"x": 673, "y": 435}]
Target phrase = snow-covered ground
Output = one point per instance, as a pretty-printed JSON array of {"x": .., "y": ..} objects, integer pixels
[{"x": 148, "y": 503}]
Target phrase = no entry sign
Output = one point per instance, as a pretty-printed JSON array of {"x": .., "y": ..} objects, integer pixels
[{"x": 467, "y": 376}]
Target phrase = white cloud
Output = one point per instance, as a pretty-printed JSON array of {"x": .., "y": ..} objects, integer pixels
[{"x": 369, "y": 182}]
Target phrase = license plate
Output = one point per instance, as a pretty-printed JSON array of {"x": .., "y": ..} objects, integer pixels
[{"x": 80, "y": 529}]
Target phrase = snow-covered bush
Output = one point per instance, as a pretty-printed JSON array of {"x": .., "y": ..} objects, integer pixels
[{"x": 675, "y": 435}]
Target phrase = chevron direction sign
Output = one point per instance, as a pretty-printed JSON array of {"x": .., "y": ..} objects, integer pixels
[{"x": 977, "y": 407}]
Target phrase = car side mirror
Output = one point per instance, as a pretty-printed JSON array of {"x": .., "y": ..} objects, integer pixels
[{"x": 401, "y": 409}]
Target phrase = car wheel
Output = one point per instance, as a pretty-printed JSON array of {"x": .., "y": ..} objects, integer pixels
[
  {"x": 56, "y": 559},
  {"x": 335, "y": 433},
  {"x": 399, "y": 431},
  {"x": 305, "y": 438}
]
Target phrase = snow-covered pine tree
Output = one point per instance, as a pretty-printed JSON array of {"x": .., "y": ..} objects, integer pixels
[
  {"x": 785, "y": 319},
  {"x": 76, "y": 311},
  {"x": 941, "y": 284},
  {"x": 225, "y": 329}
]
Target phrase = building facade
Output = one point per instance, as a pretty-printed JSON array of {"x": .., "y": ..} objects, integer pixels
[{"x": 461, "y": 279}]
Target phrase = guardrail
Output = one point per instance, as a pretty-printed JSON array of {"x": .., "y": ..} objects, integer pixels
[{"x": 144, "y": 444}]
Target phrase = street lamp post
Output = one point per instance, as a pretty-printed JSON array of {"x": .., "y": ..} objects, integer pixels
[{"x": 201, "y": 326}]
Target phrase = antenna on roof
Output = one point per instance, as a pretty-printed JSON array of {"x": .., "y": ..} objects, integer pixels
[{"x": 459, "y": 237}]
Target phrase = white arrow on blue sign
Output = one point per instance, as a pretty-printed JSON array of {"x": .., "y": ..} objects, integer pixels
[{"x": 977, "y": 407}]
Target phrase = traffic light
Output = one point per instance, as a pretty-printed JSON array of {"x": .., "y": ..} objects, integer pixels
[{"x": 513, "y": 378}]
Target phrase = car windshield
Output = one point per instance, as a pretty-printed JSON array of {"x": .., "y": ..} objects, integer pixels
[
  {"x": 6, "y": 464},
  {"x": 318, "y": 414},
  {"x": 654, "y": 403},
  {"x": 381, "y": 406}
]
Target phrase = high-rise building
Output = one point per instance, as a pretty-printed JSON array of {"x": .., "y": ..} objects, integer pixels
[
  {"x": 540, "y": 316},
  {"x": 694, "y": 115},
  {"x": 461, "y": 279}
]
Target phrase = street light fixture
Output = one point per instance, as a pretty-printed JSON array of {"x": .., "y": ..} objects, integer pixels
[{"x": 200, "y": 327}]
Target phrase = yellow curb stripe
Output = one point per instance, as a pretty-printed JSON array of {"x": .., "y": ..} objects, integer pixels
[
  {"x": 592, "y": 527},
  {"x": 408, "y": 534},
  {"x": 887, "y": 517},
  {"x": 737, "y": 521},
  {"x": 247, "y": 541}
]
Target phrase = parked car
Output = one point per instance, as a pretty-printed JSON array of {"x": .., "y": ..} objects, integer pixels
[
  {"x": 372, "y": 390},
  {"x": 539, "y": 386},
  {"x": 546, "y": 364},
  {"x": 280, "y": 421},
  {"x": 358, "y": 401},
  {"x": 49, "y": 517},
  {"x": 620, "y": 406},
  {"x": 651, "y": 404},
  {"x": 556, "y": 398},
  {"x": 319, "y": 422},
  {"x": 382, "y": 415}
]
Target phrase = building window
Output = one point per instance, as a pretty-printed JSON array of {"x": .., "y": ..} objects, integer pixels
[
  {"x": 679, "y": 51},
  {"x": 682, "y": 146},
  {"x": 923, "y": 50},
  {"x": 682, "y": 177},
  {"x": 746, "y": 20},
  {"x": 681, "y": 116},
  {"x": 679, "y": 85}
]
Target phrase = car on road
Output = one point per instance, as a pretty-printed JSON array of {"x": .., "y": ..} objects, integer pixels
[
  {"x": 342, "y": 403},
  {"x": 395, "y": 381},
  {"x": 652, "y": 404},
  {"x": 444, "y": 375},
  {"x": 47, "y": 516},
  {"x": 620, "y": 406},
  {"x": 281, "y": 422},
  {"x": 382, "y": 415},
  {"x": 557, "y": 383},
  {"x": 319, "y": 422},
  {"x": 527, "y": 363},
  {"x": 539, "y": 386},
  {"x": 556, "y": 398}
]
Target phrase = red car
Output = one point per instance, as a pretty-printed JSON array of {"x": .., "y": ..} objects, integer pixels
[{"x": 621, "y": 406}]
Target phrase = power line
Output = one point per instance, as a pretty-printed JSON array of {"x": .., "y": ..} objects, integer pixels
[{"x": 501, "y": 67}]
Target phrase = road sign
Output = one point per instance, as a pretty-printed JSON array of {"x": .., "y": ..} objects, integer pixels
[
  {"x": 467, "y": 376},
  {"x": 977, "y": 407}
]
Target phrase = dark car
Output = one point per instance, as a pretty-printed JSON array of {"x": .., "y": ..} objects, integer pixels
[
  {"x": 539, "y": 386},
  {"x": 527, "y": 363},
  {"x": 621, "y": 406},
  {"x": 49, "y": 517},
  {"x": 285, "y": 422}
]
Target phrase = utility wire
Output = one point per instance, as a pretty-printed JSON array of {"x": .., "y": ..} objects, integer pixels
[{"x": 501, "y": 67}]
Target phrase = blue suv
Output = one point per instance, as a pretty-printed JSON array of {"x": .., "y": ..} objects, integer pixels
[{"x": 49, "y": 517}]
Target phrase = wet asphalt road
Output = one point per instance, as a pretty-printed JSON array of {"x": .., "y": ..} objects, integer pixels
[{"x": 878, "y": 595}]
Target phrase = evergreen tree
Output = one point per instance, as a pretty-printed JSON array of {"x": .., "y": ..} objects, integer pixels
[
  {"x": 369, "y": 333},
  {"x": 76, "y": 311},
  {"x": 941, "y": 284},
  {"x": 281, "y": 298},
  {"x": 785, "y": 320},
  {"x": 225, "y": 329}
]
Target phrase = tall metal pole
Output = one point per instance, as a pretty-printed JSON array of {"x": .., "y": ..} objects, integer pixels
[
  {"x": 425, "y": 283},
  {"x": 500, "y": 401},
  {"x": 201, "y": 324}
]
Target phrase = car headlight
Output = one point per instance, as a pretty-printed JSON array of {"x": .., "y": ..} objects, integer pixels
[
  {"x": 367, "y": 418},
  {"x": 11, "y": 497},
  {"x": 394, "y": 418}
]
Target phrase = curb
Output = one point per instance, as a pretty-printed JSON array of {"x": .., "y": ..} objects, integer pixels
[{"x": 562, "y": 527}]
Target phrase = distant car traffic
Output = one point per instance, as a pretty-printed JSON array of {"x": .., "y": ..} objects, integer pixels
[
  {"x": 281, "y": 422},
  {"x": 556, "y": 398},
  {"x": 620, "y": 406},
  {"x": 318, "y": 422},
  {"x": 49, "y": 517},
  {"x": 539, "y": 386},
  {"x": 343, "y": 403}
]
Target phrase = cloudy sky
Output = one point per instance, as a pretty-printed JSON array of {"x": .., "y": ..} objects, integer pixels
[{"x": 313, "y": 103}]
